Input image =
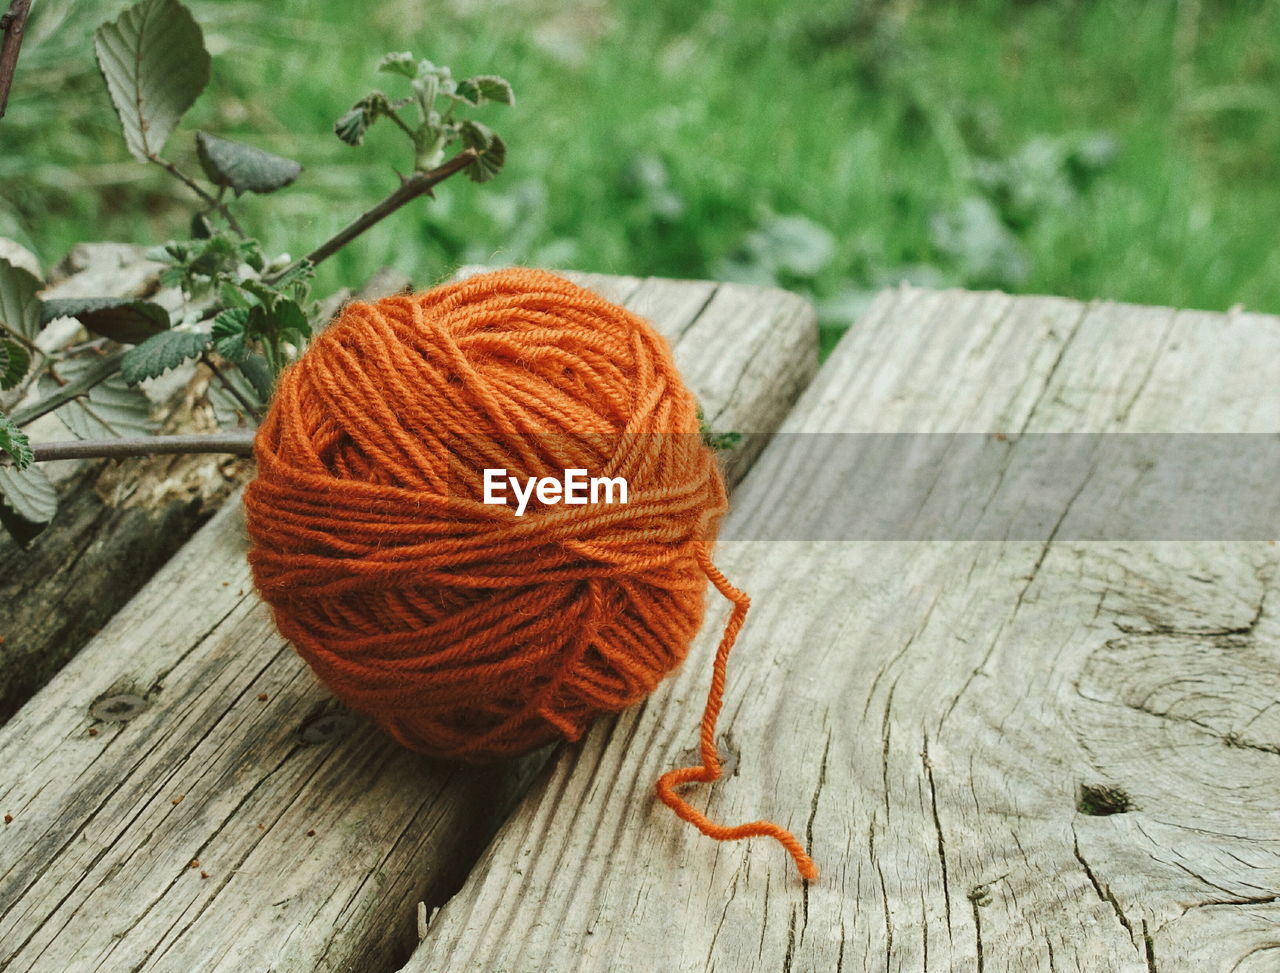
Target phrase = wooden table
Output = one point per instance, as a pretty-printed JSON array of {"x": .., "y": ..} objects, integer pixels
[{"x": 1044, "y": 753}]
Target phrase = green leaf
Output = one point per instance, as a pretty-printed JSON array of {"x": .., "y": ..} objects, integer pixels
[
  {"x": 258, "y": 372},
  {"x": 486, "y": 87},
  {"x": 155, "y": 64},
  {"x": 217, "y": 254},
  {"x": 243, "y": 168},
  {"x": 14, "y": 442},
  {"x": 289, "y": 321},
  {"x": 493, "y": 151},
  {"x": 264, "y": 293},
  {"x": 300, "y": 289},
  {"x": 173, "y": 277},
  {"x": 231, "y": 296},
  {"x": 201, "y": 228},
  {"x": 721, "y": 441},
  {"x": 159, "y": 353},
  {"x": 302, "y": 271},
  {"x": 120, "y": 319},
  {"x": 229, "y": 334},
  {"x": 250, "y": 251},
  {"x": 352, "y": 126},
  {"x": 110, "y": 408},
  {"x": 19, "y": 305},
  {"x": 15, "y": 362},
  {"x": 174, "y": 251},
  {"x": 280, "y": 318},
  {"x": 476, "y": 135},
  {"x": 717, "y": 440},
  {"x": 28, "y": 501},
  {"x": 399, "y": 62}
]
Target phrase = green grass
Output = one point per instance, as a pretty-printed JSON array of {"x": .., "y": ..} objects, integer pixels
[{"x": 1046, "y": 147}]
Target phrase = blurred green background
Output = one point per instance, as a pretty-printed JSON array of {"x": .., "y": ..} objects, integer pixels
[{"x": 1123, "y": 149}]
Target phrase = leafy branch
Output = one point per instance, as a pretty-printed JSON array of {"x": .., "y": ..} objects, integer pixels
[
  {"x": 13, "y": 23},
  {"x": 419, "y": 184},
  {"x": 436, "y": 97},
  {"x": 244, "y": 315}
]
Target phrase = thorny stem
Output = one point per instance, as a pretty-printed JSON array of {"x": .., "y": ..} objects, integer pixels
[
  {"x": 239, "y": 443},
  {"x": 419, "y": 184},
  {"x": 13, "y": 24},
  {"x": 212, "y": 201}
]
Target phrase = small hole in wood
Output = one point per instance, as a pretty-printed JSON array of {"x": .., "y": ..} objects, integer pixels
[
  {"x": 326, "y": 727},
  {"x": 118, "y": 708},
  {"x": 1100, "y": 800}
]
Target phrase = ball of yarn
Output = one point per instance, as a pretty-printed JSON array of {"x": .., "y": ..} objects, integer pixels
[
  {"x": 464, "y": 630},
  {"x": 468, "y": 629}
]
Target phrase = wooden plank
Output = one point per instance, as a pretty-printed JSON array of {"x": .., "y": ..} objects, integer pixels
[
  {"x": 117, "y": 522},
  {"x": 946, "y": 724},
  {"x": 318, "y": 835},
  {"x": 67, "y": 585}
]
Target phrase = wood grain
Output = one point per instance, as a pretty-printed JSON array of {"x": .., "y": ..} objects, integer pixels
[
  {"x": 116, "y": 523},
  {"x": 1005, "y": 756},
  {"x": 240, "y": 820}
]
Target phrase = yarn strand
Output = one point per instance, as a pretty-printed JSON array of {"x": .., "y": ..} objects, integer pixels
[{"x": 709, "y": 770}]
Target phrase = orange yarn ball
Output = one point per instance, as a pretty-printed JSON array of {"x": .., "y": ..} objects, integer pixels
[{"x": 463, "y": 629}]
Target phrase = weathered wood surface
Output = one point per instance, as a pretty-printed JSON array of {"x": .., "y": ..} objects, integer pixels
[
  {"x": 318, "y": 835},
  {"x": 927, "y": 714},
  {"x": 117, "y": 522}
]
